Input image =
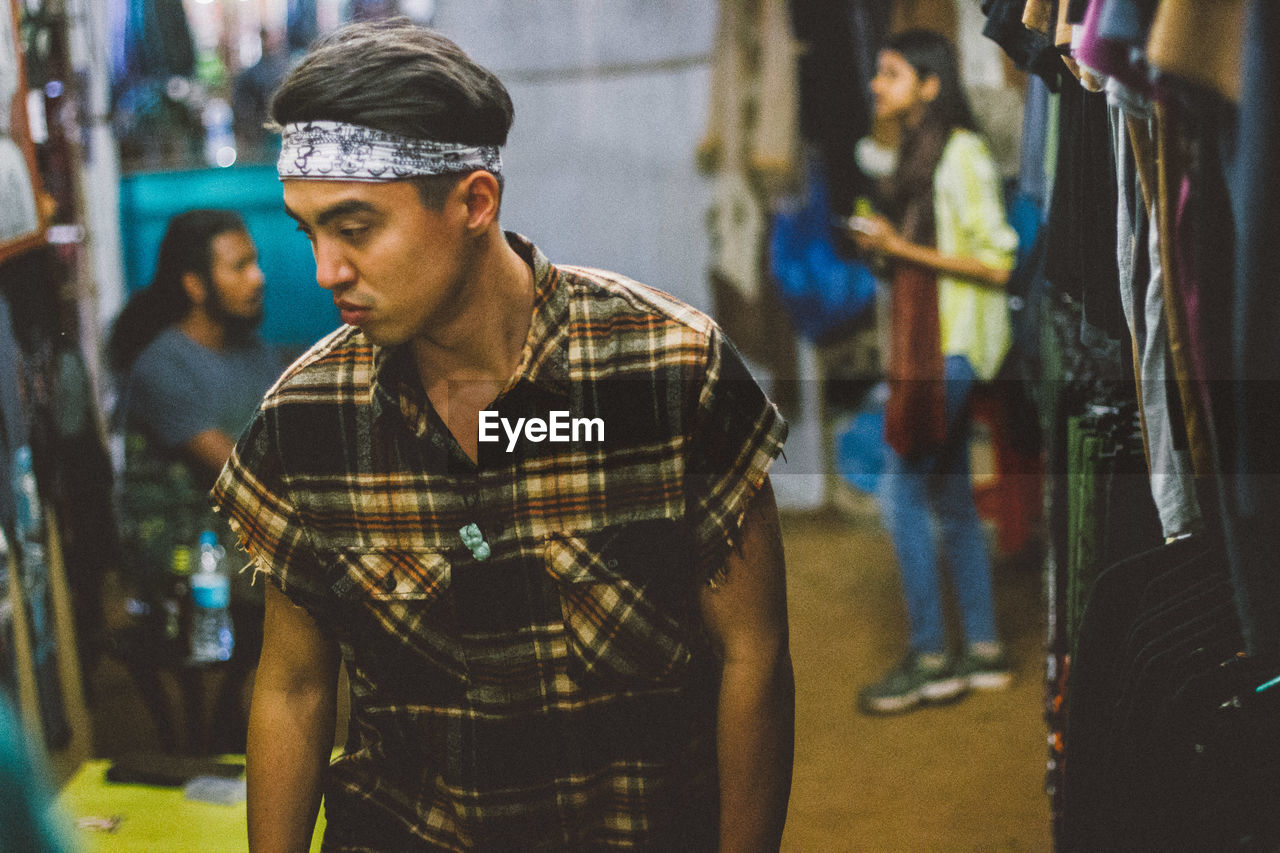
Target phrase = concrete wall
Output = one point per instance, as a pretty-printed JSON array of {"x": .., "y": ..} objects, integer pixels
[{"x": 611, "y": 99}]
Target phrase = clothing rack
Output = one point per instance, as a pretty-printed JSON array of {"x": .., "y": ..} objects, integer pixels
[{"x": 1158, "y": 367}]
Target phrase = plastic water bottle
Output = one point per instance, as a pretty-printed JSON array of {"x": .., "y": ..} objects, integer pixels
[
  {"x": 211, "y": 635},
  {"x": 177, "y": 597}
]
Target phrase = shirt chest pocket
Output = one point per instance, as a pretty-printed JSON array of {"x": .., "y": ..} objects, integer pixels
[
  {"x": 399, "y": 599},
  {"x": 625, "y": 600}
]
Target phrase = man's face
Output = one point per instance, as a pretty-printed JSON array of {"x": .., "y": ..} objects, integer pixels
[
  {"x": 396, "y": 269},
  {"x": 235, "y": 297}
]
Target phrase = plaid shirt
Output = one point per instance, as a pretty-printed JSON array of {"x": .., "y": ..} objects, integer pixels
[{"x": 559, "y": 694}]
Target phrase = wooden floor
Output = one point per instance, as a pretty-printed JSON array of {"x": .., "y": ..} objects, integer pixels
[{"x": 967, "y": 777}]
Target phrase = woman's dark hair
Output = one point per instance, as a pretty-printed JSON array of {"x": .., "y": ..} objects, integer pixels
[
  {"x": 930, "y": 55},
  {"x": 399, "y": 78},
  {"x": 187, "y": 246}
]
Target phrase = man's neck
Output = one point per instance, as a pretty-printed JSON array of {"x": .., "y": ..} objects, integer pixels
[
  {"x": 203, "y": 329},
  {"x": 466, "y": 366},
  {"x": 486, "y": 339}
]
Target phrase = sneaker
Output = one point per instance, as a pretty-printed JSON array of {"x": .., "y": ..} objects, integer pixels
[
  {"x": 918, "y": 679},
  {"x": 985, "y": 671}
]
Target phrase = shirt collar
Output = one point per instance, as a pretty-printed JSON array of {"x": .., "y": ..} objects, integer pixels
[{"x": 544, "y": 360}]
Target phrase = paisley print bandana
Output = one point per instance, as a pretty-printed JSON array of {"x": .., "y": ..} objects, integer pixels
[{"x": 330, "y": 150}]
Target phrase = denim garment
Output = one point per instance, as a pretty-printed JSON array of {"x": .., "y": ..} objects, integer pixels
[{"x": 931, "y": 490}]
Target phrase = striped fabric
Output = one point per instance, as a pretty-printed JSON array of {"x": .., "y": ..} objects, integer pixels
[{"x": 559, "y": 694}]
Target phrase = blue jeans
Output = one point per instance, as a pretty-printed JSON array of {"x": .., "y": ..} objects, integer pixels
[{"x": 935, "y": 490}]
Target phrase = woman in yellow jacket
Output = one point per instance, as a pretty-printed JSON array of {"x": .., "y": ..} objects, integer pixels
[{"x": 948, "y": 250}]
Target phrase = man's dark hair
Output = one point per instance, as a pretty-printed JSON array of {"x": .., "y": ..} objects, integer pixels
[
  {"x": 399, "y": 78},
  {"x": 187, "y": 246}
]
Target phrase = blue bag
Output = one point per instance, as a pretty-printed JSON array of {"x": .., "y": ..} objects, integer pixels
[{"x": 822, "y": 291}]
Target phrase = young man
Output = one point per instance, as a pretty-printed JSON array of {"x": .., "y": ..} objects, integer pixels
[
  {"x": 527, "y": 506},
  {"x": 187, "y": 346},
  {"x": 193, "y": 370}
]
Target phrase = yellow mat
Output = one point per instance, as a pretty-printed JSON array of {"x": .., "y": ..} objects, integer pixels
[{"x": 154, "y": 819}]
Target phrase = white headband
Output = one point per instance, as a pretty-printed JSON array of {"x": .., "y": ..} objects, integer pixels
[{"x": 331, "y": 150}]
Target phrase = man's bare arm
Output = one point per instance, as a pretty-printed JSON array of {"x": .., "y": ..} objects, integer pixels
[
  {"x": 291, "y": 722},
  {"x": 747, "y": 615}
]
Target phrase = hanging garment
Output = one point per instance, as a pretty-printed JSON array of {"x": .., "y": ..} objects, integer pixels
[
  {"x": 841, "y": 40},
  {"x": 13, "y": 420},
  {"x": 1029, "y": 50},
  {"x": 751, "y": 151},
  {"x": 1032, "y": 180},
  {"x": 157, "y": 40},
  {"x": 1253, "y": 186},
  {"x": 1114, "y": 35},
  {"x": 1169, "y": 167},
  {"x": 1171, "y": 741},
  {"x": 1081, "y": 259},
  {"x": 1110, "y": 514},
  {"x": 1039, "y": 15},
  {"x": 1200, "y": 42},
  {"x": 33, "y": 464},
  {"x": 1171, "y": 476}
]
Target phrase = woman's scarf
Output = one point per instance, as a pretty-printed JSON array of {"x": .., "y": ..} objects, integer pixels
[{"x": 915, "y": 419}]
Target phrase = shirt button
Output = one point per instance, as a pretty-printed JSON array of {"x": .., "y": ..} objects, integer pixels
[{"x": 389, "y": 583}]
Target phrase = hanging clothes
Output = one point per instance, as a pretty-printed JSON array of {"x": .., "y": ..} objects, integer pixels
[
  {"x": 1251, "y": 497},
  {"x": 1165, "y": 666},
  {"x": 157, "y": 41},
  {"x": 751, "y": 151},
  {"x": 1081, "y": 259},
  {"x": 1142, "y": 298},
  {"x": 13, "y": 420},
  {"x": 1201, "y": 188},
  {"x": 1029, "y": 49},
  {"x": 841, "y": 40}
]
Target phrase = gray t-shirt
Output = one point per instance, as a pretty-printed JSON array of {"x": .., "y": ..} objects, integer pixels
[{"x": 178, "y": 388}]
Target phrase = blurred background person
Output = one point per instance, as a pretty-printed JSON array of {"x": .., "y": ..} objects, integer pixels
[
  {"x": 192, "y": 370},
  {"x": 948, "y": 250}
]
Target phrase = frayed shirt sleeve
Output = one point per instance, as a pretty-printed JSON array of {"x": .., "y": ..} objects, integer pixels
[
  {"x": 736, "y": 434},
  {"x": 252, "y": 494}
]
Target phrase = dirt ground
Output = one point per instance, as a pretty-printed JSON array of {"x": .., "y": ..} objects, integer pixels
[{"x": 966, "y": 777}]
